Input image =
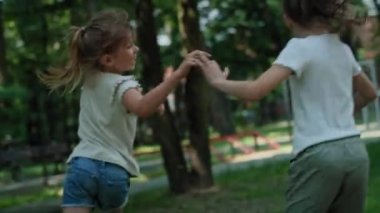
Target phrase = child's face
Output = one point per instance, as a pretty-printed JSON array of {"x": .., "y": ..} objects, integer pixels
[{"x": 124, "y": 58}]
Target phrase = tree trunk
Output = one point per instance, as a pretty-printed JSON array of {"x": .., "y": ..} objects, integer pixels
[
  {"x": 3, "y": 70},
  {"x": 220, "y": 113},
  {"x": 46, "y": 108},
  {"x": 164, "y": 130},
  {"x": 36, "y": 41},
  {"x": 197, "y": 97}
]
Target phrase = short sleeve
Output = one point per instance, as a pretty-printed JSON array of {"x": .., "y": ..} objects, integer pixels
[
  {"x": 122, "y": 85},
  {"x": 293, "y": 56},
  {"x": 356, "y": 68}
]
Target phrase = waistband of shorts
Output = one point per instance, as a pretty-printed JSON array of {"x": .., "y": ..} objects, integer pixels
[{"x": 336, "y": 140}]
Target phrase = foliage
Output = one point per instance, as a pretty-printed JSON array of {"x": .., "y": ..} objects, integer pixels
[
  {"x": 244, "y": 35},
  {"x": 12, "y": 110}
]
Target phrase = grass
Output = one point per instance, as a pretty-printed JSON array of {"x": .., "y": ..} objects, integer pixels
[
  {"x": 29, "y": 172},
  {"x": 42, "y": 194},
  {"x": 276, "y": 129},
  {"x": 253, "y": 190},
  {"x": 259, "y": 189},
  {"x": 373, "y": 204}
]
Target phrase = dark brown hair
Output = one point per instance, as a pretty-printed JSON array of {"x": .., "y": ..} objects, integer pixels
[
  {"x": 103, "y": 34},
  {"x": 305, "y": 12}
]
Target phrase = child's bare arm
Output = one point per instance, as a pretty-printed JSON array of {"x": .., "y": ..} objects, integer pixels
[
  {"x": 248, "y": 90},
  {"x": 145, "y": 105},
  {"x": 364, "y": 91}
]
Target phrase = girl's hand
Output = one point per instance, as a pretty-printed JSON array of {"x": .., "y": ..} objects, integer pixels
[
  {"x": 190, "y": 60},
  {"x": 212, "y": 71}
]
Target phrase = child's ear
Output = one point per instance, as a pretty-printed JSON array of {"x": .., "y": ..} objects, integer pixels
[
  {"x": 288, "y": 21},
  {"x": 106, "y": 60}
]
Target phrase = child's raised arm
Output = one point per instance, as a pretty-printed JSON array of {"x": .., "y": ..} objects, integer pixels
[
  {"x": 248, "y": 90},
  {"x": 145, "y": 105}
]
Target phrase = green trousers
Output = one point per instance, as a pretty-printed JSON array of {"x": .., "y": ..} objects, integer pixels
[{"x": 329, "y": 177}]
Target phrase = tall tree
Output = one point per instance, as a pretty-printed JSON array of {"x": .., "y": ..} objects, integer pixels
[
  {"x": 197, "y": 97},
  {"x": 164, "y": 130},
  {"x": 2, "y": 46},
  {"x": 31, "y": 18},
  {"x": 220, "y": 113},
  {"x": 253, "y": 33},
  {"x": 32, "y": 28}
]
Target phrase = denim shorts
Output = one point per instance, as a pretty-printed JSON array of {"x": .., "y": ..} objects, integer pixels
[{"x": 92, "y": 183}]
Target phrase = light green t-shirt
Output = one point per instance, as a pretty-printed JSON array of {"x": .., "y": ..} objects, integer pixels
[{"x": 106, "y": 130}]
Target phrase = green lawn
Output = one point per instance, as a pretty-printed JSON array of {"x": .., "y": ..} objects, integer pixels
[
  {"x": 373, "y": 204},
  {"x": 253, "y": 190},
  {"x": 258, "y": 189},
  {"x": 37, "y": 195}
]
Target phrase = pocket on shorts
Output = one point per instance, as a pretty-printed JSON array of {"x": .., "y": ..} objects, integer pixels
[
  {"x": 114, "y": 187},
  {"x": 79, "y": 188},
  {"x": 116, "y": 178},
  {"x": 81, "y": 179}
]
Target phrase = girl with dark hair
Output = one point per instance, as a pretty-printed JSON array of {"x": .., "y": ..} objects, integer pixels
[
  {"x": 329, "y": 168},
  {"x": 102, "y": 163}
]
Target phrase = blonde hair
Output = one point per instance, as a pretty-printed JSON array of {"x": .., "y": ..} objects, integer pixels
[{"x": 103, "y": 35}]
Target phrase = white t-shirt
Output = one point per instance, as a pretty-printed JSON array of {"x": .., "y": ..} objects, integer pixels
[
  {"x": 106, "y": 129},
  {"x": 321, "y": 88}
]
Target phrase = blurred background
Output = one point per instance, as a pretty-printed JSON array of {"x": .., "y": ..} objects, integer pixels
[{"x": 201, "y": 128}]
